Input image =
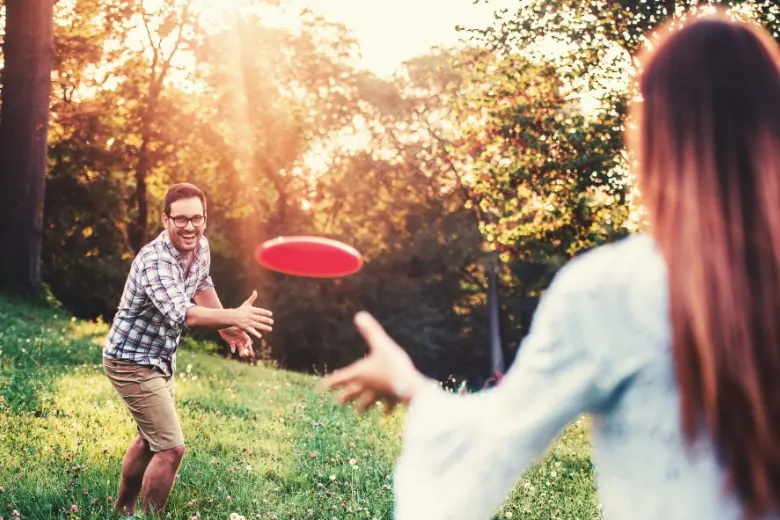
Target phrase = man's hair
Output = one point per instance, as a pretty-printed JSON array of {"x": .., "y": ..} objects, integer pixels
[{"x": 183, "y": 190}]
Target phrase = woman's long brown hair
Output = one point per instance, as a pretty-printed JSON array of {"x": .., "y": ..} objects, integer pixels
[{"x": 708, "y": 150}]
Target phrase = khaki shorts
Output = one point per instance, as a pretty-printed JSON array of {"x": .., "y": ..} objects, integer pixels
[{"x": 148, "y": 393}]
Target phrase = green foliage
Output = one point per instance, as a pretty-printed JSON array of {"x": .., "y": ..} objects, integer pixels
[
  {"x": 541, "y": 113},
  {"x": 512, "y": 145},
  {"x": 260, "y": 441}
]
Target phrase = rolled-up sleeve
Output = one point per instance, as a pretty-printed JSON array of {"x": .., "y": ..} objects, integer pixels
[
  {"x": 205, "y": 283},
  {"x": 463, "y": 454},
  {"x": 163, "y": 283}
]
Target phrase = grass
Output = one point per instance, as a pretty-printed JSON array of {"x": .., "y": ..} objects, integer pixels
[{"x": 262, "y": 443}]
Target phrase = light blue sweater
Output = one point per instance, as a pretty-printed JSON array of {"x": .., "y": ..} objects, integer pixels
[{"x": 599, "y": 344}]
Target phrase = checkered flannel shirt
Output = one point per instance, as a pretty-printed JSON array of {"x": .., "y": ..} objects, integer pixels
[{"x": 158, "y": 292}]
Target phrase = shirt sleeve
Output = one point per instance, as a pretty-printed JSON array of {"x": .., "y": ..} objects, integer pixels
[
  {"x": 163, "y": 283},
  {"x": 463, "y": 454}
]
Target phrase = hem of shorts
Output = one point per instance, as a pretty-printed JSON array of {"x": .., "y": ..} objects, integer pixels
[{"x": 163, "y": 446}]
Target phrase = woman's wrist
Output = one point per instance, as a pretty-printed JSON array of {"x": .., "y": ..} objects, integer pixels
[{"x": 407, "y": 388}]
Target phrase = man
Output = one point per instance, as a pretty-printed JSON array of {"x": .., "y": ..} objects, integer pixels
[{"x": 139, "y": 355}]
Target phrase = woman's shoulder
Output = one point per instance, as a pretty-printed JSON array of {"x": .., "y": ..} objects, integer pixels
[
  {"x": 631, "y": 259},
  {"x": 615, "y": 297}
]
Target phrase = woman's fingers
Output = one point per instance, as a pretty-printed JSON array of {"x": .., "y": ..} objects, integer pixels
[
  {"x": 351, "y": 393},
  {"x": 390, "y": 405},
  {"x": 367, "y": 399},
  {"x": 344, "y": 376},
  {"x": 371, "y": 330}
]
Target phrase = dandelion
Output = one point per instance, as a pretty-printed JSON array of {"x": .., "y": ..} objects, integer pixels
[{"x": 332, "y": 478}]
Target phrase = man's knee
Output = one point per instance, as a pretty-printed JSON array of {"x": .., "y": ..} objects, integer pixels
[{"x": 176, "y": 453}]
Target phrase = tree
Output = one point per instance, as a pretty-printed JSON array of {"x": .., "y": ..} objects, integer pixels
[
  {"x": 24, "y": 124},
  {"x": 172, "y": 22}
]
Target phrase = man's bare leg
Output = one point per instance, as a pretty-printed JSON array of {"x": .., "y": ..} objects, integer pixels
[
  {"x": 159, "y": 478},
  {"x": 134, "y": 464}
]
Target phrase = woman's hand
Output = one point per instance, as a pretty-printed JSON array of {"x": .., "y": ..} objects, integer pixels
[{"x": 386, "y": 374}]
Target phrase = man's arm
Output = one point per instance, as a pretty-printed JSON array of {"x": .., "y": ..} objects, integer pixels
[
  {"x": 233, "y": 336},
  {"x": 246, "y": 317},
  {"x": 159, "y": 279},
  {"x": 204, "y": 317},
  {"x": 209, "y": 298}
]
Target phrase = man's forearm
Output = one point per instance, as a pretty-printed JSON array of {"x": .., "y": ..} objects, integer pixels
[
  {"x": 208, "y": 298},
  {"x": 209, "y": 313},
  {"x": 204, "y": 317}
]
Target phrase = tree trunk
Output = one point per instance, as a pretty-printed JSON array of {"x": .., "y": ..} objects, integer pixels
[
  {"x": 671, "y": 7},
  {"x": 141, "y": 172},
  {"x": 24, "y": 127},
  {"x": 496, "y": 352}
]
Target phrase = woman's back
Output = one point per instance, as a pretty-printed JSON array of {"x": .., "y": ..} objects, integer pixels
[
  {"x": 600, "y": 344},
  {"x": 644, "y": 469}
]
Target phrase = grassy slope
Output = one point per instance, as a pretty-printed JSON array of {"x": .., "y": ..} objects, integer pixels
[{"x": 260, "y": 441}]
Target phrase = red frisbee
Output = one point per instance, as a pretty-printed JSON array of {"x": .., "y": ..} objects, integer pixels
[{"x": 309, "y": 256}]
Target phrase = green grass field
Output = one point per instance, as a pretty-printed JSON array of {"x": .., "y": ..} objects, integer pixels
[{"x": 262, "y": 443}]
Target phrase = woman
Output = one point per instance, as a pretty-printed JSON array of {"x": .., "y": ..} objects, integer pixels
[{"x": 670, "y": 339}]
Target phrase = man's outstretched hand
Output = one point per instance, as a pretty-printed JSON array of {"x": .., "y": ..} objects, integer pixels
[
  {"x": 386, "y": 374},
  {"x": 253, "y": 319}
]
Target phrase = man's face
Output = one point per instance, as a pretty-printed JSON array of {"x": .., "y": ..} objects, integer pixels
[{"x": 186, "y": 237}]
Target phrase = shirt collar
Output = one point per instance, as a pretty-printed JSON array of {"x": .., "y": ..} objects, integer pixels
[{"x": 175, "y": 252}]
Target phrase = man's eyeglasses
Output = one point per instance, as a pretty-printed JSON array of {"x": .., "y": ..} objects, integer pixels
[{"x": 180, "y": 222}]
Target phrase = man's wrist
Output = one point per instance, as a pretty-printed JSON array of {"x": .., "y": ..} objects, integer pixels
[{"x": 232, "y": 318}]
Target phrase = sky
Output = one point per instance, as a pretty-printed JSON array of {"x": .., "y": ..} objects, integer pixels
[{"x": 391, "y": 31}]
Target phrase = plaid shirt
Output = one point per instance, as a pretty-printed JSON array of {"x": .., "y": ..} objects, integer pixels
[{"x": 150, "y": 319}]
